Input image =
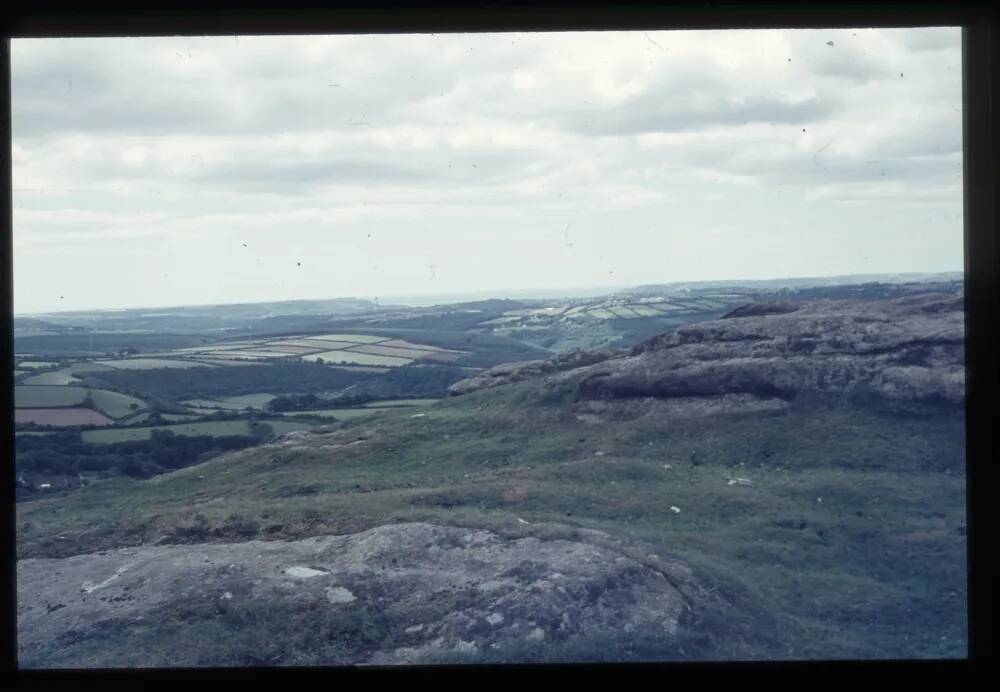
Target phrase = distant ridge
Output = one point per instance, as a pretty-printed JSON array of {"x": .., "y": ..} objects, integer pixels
[{"x": 806, "y": 282}]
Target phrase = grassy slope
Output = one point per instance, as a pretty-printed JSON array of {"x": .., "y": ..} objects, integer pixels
[
  {"x": 875, "y": 569},
  {"x": 44, "y": 396},
  {"x": 214, "y": 428},
  {"x": 114, "y": 404}
]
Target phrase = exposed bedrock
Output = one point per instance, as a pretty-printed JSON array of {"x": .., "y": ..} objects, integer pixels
[
  {"x": 420, "y": 590},
  {"x": 905, "y": 349}
]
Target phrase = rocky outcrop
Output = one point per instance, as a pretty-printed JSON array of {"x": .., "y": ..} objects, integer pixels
[
  {"x": 756, "y": 309},
  {"x": 506, "y": 373},
  {"x": 418, "y": 592},
  {"x": 909, "y": 349}
]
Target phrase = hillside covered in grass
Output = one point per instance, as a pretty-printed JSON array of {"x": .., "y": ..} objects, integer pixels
[{"x": 796, "y": 476}]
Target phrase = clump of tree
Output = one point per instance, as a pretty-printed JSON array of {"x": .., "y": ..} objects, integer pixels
[
  {"x": 168, "y": 384},
  {"x": 309, "y": 402},
  {"x": 64, "y": 454}
]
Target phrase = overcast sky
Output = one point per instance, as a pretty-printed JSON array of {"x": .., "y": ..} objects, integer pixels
[{"x": 169, "y": 171}]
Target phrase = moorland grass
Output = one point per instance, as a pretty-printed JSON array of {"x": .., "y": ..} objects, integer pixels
[{"x": 849, "y": 542}]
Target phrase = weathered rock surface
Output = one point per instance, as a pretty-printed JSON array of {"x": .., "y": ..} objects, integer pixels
[
  {"x": 436, "y": 591},
  {"x": 515, "y": 372},
  {"x": 755, "y": 309},
  {"x": 908, "y": 348}
]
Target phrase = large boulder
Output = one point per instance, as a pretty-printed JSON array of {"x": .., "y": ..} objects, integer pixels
[{"x": 403, "y": 593}]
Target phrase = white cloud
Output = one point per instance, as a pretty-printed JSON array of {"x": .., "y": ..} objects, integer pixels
[{"x": 475, "y": 151}]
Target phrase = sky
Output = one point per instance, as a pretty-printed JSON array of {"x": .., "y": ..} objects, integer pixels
[{"x": 203, "y": 170}]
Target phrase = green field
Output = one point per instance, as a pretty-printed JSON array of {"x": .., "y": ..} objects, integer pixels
[
  {"x": 85, "y": 367},
  {"x": 335, "y": 357},
  {"x": 151, "y": 363},
  {"x": 64, "y": 416},
  {"x": 247, "y": 354},
  {"x": 114, "y": 404},
  {"x": 232, "y": 403},
  {"x": 212, "y": 428},
  {"x": 41, "y": 396},
  {"x": 340, "y": 413},
  {"x": 37, "y": 364},
  {"x": 223, "y": 362},
  {"x": 313, "y": 345},
  {"x": 282, "y": 427},
  {"x": 360, "y": 368},
  {"x": 401, "y": 402},
  {"x": 353, "y": 338},
  {"x": 393, "y": 351},
  {"x": 663, "y": 308},
  {"x": 645, "y": 310},
  {"x": 220, "y": 346},
  {"x": 55, "y": 377}
]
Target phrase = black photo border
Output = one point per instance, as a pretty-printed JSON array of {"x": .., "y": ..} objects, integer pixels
[{"x": 981, "y": 65}]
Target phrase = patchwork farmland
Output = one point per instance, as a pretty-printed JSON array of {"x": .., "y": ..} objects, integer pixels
[
  {"x": 139, "y": 402},
  {"x": 624, "y": 308},
  {"x": 70, "y": 393},
  {"x": 330, "y": 349}
]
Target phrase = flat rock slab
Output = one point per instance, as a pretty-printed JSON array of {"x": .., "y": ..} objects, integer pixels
[{"x": 404, "y": 593}]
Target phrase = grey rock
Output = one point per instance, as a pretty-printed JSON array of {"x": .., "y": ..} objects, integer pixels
[
  {"x": 909, "y": 349},
  {"x": 754, "y": 309},
  {"x": 494, "y": 593},
  {"x": 515, "y": 372}
]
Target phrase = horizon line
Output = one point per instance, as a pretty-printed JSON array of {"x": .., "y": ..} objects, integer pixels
[{"x": 497, "y": 294}]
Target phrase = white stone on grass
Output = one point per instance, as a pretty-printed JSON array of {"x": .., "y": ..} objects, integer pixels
[
  {"x": 338, "y": 594},
  {"x": 304, "y": 572}
]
